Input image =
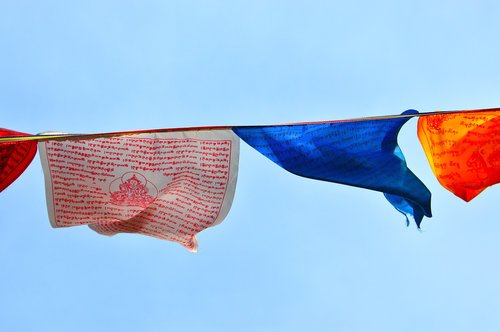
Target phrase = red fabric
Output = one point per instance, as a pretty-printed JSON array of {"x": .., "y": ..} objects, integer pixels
[{"x": 15, "y": 157}]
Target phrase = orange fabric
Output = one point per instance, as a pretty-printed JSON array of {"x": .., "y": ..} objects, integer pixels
[{"x": 463, "y": 150}]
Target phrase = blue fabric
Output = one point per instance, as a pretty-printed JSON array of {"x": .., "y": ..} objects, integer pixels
[{"x": 357, "y": 153}]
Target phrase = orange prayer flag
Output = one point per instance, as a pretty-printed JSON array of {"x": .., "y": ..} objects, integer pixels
[{"x": 463, "y": 149}]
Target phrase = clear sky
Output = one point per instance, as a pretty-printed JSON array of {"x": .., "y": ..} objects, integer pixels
[{"x": 293, "y": 254}]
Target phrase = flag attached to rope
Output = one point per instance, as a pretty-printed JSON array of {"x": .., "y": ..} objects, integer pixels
[
  {"x": 166, "y": 185},
  {"x": 358, "y": 153},
  {"x": 463, "y": 150},
  {"x": 15, "y": 157}
]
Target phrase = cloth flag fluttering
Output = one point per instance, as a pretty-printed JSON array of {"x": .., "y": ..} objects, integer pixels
[
  {"x": 173, "y": 183},
  {"x": 463, "y": 150},
  {"x": 166, "y": 185},
  {"x": 358, "y": 153},
  {"x": 15, "y": 157}
]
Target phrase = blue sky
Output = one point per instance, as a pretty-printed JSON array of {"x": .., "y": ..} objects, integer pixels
[{"x": 293, "y": 254}]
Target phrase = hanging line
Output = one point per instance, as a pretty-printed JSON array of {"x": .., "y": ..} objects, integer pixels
[{"x": 49, "y": 136}]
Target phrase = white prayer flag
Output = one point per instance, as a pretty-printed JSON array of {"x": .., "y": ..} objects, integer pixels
[{"x": 167, "y": 185}]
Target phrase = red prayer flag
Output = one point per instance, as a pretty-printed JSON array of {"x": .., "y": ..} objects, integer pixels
[
  {"x": 166, "y": 185},
  {"x": 15, "y": 157},
  {"x": 463, "y": 150}
]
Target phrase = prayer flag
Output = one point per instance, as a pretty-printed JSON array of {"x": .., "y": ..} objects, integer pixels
[
  {"x": 15, "y": 157},
  {"x": 463, "y": 150},
  {"x": 361, "y": 153},
  {"x": 166, "y": 185}
]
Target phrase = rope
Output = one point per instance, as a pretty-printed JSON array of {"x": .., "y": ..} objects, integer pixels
[{"x": 61, "y": 136}]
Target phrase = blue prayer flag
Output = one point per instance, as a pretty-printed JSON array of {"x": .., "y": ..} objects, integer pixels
[{"x": 362, "y": 153}]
